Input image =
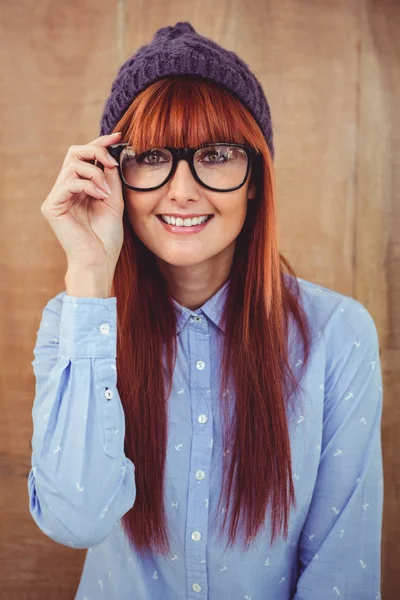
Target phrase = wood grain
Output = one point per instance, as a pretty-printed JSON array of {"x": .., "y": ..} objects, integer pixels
[
  {"x": 330, "y": 71},
  {"x": 61, "y": 59},
  {"x": 377, "y": 239}
]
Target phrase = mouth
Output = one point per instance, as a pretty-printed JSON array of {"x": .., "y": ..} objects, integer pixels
[{"x": 185, "y": 226}]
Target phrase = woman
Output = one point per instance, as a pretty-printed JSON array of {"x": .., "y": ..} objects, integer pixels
[{"x": 232, "y": 450}]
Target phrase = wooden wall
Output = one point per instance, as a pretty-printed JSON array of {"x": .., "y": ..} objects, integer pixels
[{"x": 330, "y": 70}]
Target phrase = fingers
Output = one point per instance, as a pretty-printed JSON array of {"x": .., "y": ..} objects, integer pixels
[
  {"x": 90, "y": 172},
  {"x": 113, "y": 178},
  {"x": 77, "y": 186},
  {"x": 90, "y": 153},
  {"x": 80, "y": 172},
  {"x": 106, "y": 140}
]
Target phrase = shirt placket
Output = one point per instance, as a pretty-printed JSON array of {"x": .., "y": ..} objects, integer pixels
[{"x": 200, "y": 458}]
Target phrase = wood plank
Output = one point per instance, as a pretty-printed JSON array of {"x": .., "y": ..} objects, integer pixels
[
  {"x": 61, "y": 59},
  {"x": 377, "y": 242},
  {"x": 330, "y": 72}
]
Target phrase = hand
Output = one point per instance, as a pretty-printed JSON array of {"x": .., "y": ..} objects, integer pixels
[{"x": 87, "y": 221}]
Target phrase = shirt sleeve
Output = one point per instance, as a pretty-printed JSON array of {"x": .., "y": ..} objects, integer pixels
[
  {"x": 80, "y": 482},
  {"x": 340, "y": 544}
]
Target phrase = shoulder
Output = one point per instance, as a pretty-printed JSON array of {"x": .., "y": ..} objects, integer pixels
[{"x": 340, "y": 320}]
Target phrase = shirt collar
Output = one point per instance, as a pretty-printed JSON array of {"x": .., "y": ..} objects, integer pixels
[{"x": 212, "y": 308}]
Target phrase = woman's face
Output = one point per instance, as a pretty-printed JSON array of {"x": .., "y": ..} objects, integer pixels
[{"x": 182, "y": 196}]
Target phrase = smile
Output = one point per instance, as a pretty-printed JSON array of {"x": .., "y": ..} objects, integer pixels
[{"x": 188, "y": 225}]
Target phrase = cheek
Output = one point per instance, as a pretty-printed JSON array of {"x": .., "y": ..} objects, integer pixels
[
  {"x": 234, "y": 221},
  {"x": 135, "y": 216},
  {"x": 236, "y": 214},
  {"x": 139, "y": 208}
]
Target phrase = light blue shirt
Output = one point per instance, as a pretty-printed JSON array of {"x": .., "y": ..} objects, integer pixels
[{"x": 81, "y": 483}]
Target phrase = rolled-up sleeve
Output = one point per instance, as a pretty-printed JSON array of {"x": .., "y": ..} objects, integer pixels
[
  {"x": 80, "y": 482},
  {"x": 340, "y": 544}
]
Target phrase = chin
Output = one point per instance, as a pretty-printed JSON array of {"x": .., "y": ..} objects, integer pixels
[{"x": 183, "y": 260}]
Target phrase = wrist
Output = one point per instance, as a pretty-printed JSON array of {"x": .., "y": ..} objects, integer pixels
[{"x": 87, "y": 282}]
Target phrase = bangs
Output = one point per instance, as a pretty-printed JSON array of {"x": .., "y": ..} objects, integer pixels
[{"x": 187, "y": 111}]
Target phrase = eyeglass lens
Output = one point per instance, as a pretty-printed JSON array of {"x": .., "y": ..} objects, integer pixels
[{"x": 220, "y": 167}]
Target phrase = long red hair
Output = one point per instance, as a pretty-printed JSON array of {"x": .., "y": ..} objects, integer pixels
[{"x": 190, "y": 111}]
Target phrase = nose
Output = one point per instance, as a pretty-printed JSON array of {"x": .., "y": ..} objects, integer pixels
[
  {"x": 182, "y": 171},
  {"x": 182, "y": 186}
]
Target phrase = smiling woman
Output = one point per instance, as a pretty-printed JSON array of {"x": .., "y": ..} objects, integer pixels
[
  {"x": 237, "y": 243},
  {"x": 214, "y": 394}
]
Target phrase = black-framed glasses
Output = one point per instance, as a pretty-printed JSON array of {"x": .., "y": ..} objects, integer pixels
[{"x": 221, "y": 167}]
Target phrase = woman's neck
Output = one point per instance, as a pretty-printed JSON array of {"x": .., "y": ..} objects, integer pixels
[{"x": 191, "y": 286}]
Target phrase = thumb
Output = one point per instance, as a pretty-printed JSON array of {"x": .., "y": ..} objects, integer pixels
[{"x": 114, "y": 181}]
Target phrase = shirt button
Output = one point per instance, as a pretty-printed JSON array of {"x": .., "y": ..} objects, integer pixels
[
  {"x": 196, "y": 536},
  {"x": 196, "y": 587},
  {"x": 104, "y": 328},
  {"x": 108, "y": 394},
  {"x": 200, "y": 474},
  {"x": 202, "y": 418},
  {"x": 197, "y": 319},
  {"x": 200, "y": 365}
]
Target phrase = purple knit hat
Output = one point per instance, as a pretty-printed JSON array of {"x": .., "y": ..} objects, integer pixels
[{"x": 180, "y": 50}]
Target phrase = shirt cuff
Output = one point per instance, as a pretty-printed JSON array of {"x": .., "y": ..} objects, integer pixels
[{"x": 88, "y": 327}]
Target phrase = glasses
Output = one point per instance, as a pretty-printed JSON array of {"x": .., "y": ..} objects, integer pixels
[{"x": 221, "y": 167}]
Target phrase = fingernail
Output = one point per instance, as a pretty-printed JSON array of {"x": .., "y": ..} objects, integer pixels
[
  {"x": 112, "y": 159},
  {"x": 102, "y": 192},
  {"x": 117, "y": 133},
  {"x": 107, "y": 187}
]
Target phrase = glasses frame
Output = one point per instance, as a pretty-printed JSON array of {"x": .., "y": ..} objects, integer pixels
[{"x": 185, "y": 154}]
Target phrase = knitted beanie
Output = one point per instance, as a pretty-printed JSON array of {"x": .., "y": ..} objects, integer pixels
[{"x": 180, "y": 50}]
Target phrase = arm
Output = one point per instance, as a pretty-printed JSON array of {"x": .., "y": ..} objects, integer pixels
[
  {"x": 81, "y": 482},
  {"x": 340, "y": 544}
]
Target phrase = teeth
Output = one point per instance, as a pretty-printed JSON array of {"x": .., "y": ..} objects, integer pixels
[{"x": 184, "y": 222}]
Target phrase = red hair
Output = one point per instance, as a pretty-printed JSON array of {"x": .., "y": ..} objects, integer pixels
[{"x": 190, "y": 111}]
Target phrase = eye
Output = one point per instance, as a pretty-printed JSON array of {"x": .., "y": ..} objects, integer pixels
[
  {"x": 221, "y": 155},
  {"x": 153, "y": 157},
  {"x": 212, "y": 156}
]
